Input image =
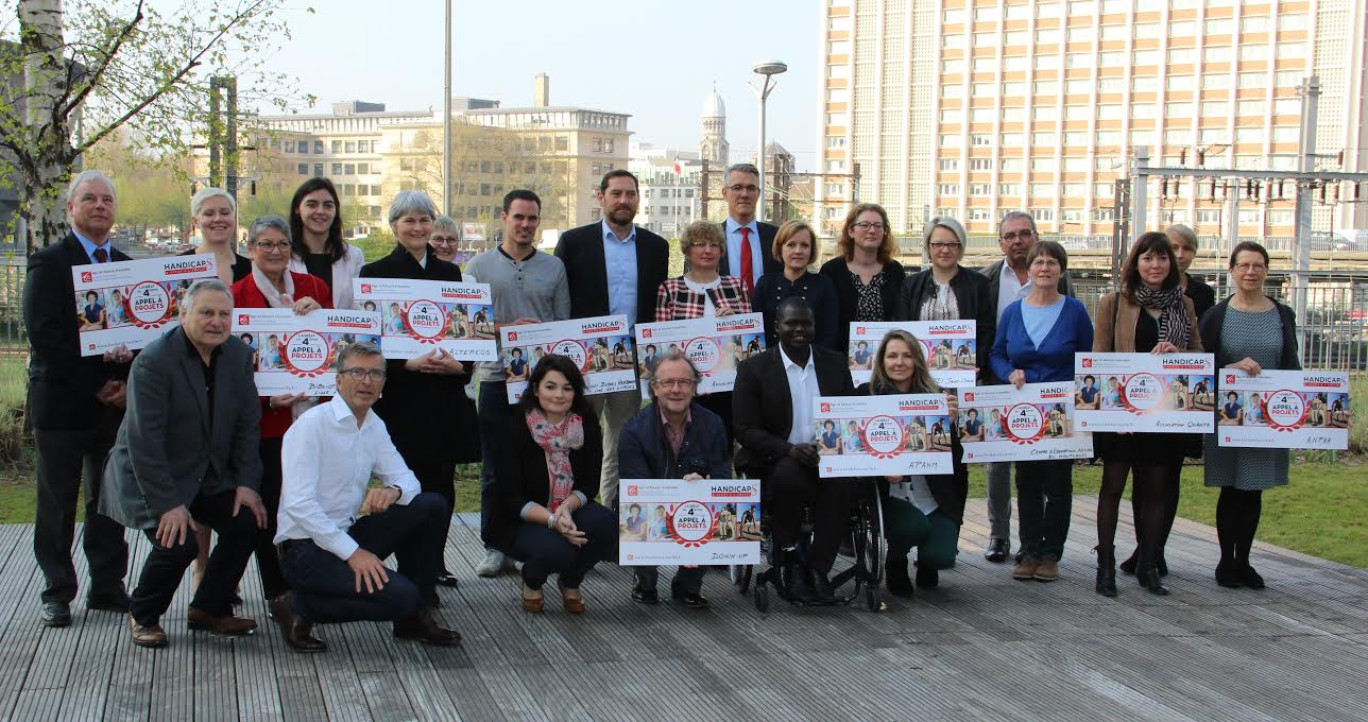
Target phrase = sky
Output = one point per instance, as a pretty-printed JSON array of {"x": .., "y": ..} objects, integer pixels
[{"x": 654, "y": 59}]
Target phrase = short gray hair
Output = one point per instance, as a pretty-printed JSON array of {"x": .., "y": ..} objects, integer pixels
[
  {"x": 87, "y": 176},
  {"x": 359, "y": 349},
  {"x": 410, "y": 201},
  {"x": 740, "y": 168},
  {"x": 445, "y": 223},
  {"x": 1013, "y": 215},
  {"x": 266, "y": 223},
  {"x": 205, "y": 194},
  {"x": 948, "y": 223},
  {"x": 201, "y": 286}
]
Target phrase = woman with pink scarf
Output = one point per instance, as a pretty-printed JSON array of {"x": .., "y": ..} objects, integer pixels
[{"x": 549, "y": 465}]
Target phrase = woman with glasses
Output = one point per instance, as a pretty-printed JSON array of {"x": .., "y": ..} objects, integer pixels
[
  {"x": 445, "y": 237},
  {"x": 702, "y": 293},
  {"x": 316, "y": 238},
  {"x": 1251, "y": 332},
  {"x": 795, "y": 245},
  {"x": 214, "y": 212},
  {"x": 867, "y": 278},
  {"x": 270, "y": 284},
  {"x": 946, "y": 291},
  {"x": 431, "y": 443}
]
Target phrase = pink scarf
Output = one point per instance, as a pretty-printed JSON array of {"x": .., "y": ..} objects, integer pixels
[{"x": 557, "y": 441}]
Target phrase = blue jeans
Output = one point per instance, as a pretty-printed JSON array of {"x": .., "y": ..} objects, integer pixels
[
  {"x": 325, "y": 586},
  {"x": 494, "y": 412}
]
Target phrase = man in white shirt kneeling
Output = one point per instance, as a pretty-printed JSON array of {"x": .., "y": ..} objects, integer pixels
[{"x": 330, "y": 552}]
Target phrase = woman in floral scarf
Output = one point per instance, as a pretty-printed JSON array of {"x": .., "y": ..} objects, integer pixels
[{"x": 549, "y": 464}]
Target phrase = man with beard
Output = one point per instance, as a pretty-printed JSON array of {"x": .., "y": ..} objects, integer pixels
[{"x": 613, "y": 268}]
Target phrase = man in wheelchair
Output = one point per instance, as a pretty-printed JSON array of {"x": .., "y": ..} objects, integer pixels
[{"x": 773, "y": 419}]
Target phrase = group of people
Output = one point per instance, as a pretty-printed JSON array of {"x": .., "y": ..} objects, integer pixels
[{"x": 175, "y": 441}]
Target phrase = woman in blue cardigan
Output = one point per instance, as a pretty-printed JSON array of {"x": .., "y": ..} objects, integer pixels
[{"x": 1036, "y": 340}]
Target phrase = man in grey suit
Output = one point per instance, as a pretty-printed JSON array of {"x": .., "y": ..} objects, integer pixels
[
  {"x": 187, "y": 450},
  {"x": 1007, "y": 283}
]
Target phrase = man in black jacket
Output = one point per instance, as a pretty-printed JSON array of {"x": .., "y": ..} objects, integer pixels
[
  {"x": 614, "y": 267},
  {"x": 773, "y": 418},
  {"x": 749, "y": 240},
  {"x": 76, "y": 404}
]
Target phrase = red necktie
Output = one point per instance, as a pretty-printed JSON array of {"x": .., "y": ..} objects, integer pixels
[
  {"x": 101, "y": 255},
  {"x": 747, "y": 265}
]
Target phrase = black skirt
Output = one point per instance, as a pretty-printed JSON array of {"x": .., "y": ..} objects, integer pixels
[{"x": 1162, "y": 449}]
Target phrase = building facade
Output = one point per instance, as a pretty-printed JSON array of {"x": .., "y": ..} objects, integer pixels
[
  {"x": 971, "y": 109},
  {"x": 670, "y": 184}
]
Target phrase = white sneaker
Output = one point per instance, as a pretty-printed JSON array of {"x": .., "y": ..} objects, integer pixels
[{"x": 494, "y": 562}]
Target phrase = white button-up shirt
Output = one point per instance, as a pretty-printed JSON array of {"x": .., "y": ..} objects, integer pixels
[
  {"x": 1010, "y": 289},
  {"x": 327, "y": 463},
  {"x": 802, "y": 383}
]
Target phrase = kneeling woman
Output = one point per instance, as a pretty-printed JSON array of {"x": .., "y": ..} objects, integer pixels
[
  {"x": 919, "y": 511},
  {"x": 549, "y": 466}
]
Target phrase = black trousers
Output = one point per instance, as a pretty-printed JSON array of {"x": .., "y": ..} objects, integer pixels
[
  {"x": 544, "y": 552},
  {"x": 325, "y": 586},
  {"x": 1044, "y": 505},
  {"x": 435, "y": 476},
  {"x": 273, "y": 582},
  {"x": 720, "y": 404},
  {"x": 165, "y": 566},
  {"x": 688, "y": 579},
  {"x": 792, "y": 486},
  {"x": 65, "y": 456}
]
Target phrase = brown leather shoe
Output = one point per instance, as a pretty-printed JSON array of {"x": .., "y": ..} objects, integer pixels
[
  {"x": 1047, "y": 570},
  {"x": 297, "y": 630},
  {"x": 226, "y": 625},
  {"x": 153, "y": 636},
  {"x": 532, "y": 600},
  {"x": 575, "y": 604},
  {"x": 421, "y": 626},
  {"x": 1026, "y": 568}
]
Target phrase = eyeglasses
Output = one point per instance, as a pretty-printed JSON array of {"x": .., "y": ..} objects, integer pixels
[
  {"x": 946, "y": 245},
  {"x": 674, "y": 383},
  {"x": 442, "y": 240},
  {"x": 1022, "y": 235},
  {"x": 738, "y": 188},
  {"x": 1250, "y": 267},
  {"x": 373, "y": 375},
  {"x": 706, "y": 244},
  {"x": 273, "y": 247},
  {"x": 869, "y": 225}
]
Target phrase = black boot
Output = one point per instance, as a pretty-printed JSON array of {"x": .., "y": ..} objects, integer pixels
[
  {"x": 896, "y": 577},
  {"x": 1128, "y": 566},
  {"x": 1106, "y": 570},
  {"x": 796, "y": 582},
  {"x": 1147, "y": 574}
]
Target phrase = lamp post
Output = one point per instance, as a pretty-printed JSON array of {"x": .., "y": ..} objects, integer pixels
[
  {"x": 446, "y": 118},
  {"x": 767, "y": 69}
]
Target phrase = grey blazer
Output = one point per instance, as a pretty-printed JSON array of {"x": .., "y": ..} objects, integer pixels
[{"x": 166, "y": 444}]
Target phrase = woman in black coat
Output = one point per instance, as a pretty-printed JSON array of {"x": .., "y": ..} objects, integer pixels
[
  {"x": 867, "y": 277},
  {"x": 945, "y": 290},
  {"x": 425, "y": 408},
  {"x": 546, "y": 519}
]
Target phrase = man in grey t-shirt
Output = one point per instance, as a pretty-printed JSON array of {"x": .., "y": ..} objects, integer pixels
[{"x": 528, "y": 287}]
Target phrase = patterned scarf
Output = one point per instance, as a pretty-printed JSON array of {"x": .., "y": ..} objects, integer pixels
[
  {"x": 1173, "y": 321},
  {"x": 557, "y": 441},
  {"x": 274, "y": 298}
]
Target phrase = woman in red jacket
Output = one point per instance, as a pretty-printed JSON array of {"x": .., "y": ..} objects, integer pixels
[{"x": 272, "y": 285}]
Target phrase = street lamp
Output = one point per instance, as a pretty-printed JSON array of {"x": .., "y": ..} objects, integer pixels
[{"x": 768, "y": 69}]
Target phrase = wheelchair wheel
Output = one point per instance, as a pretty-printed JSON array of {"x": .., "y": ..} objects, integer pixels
[
  {"x": 874, "y": 547},
  {"x": 760, "y": 595}
]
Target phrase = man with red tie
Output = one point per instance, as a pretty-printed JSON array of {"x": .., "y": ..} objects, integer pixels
[
  {"x": 748, "y": 240},
  {"x": 76, "y": 403}
]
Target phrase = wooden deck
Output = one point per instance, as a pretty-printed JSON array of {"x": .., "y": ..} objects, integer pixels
[{"x": 982, "y": 647}]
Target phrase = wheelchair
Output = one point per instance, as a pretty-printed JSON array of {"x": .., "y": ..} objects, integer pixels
[{"x": 864, "y": 570}]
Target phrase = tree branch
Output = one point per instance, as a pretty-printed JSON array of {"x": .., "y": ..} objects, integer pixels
[{"x": 94, "y": 75}]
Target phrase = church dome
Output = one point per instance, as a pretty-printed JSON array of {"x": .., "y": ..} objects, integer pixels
[{"x": 713, "y": 106}]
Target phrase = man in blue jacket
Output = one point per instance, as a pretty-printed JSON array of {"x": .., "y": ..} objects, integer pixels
[{"x": 673, "y": 438}]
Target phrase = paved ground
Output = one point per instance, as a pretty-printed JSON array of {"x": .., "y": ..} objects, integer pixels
[{"x": 982, "y": 647}]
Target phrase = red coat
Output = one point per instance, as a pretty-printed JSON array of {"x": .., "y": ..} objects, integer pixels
[{"x": 275, "y": 422}]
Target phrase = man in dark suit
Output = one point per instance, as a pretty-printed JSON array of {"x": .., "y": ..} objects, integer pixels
[
  {"x": 1007, "y": 283},
  {"x": 614, "y": 267},
  {"x": 749, "y": 240},
  {"x": 76, "y": 404},
  {"x": 772, "y": 414},
  {"x": 188, "y": 450}
]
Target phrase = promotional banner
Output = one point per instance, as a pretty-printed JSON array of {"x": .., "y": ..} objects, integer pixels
[
  {"x": 949, "y": 346},
  {"x": 600, "y": 346},
  {"x": 1033, "y": 423},
  {"x": 132, "y": 302},
  {"x": 882, "y": 435},
  {"x": 1284, "y": 410},
  {"x": 419, "y": 316},
  {"x": 1144, "y": 392},
  {"x": 672, "y": 521},
  {"x": 715, "y": 345},
  {"x": 298, "y": 354}
]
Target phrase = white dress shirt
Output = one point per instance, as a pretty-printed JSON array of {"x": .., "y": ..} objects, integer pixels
[
  {"x": 327, "y": 463},
  {"x": 802, "y": 383},
  {"x": 1010, "y": 289},
  {"x": 915, "y": 491},
  {"x": 733, "y": 233}
]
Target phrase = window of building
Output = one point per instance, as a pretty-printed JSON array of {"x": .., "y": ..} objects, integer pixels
[
  {"x": 1018, "y": 12},
  {"x": 953, "y": 41},
  {"x": 1044, "y": 37},
  {"x": 1113, "y": 32},
  {"x": 954, "y": 90},
  {"x": 1292, "y": 21},
  {"x": 1102, "y": 190},
  {"x": 1017, "y": 38},
  {"x": 1044, "y": 138},
  {"x": 1047, "y": 87},
  {"x": 1075, "y": 61},
  {"x": 950, "y": 139},
  {"x": 1215, "y": 108},
  {"x": 1219, "y": 54},
  {"x": 318, "y": 169},
  {"x": 1047, "y": 62},
  {"x": 1077, "y": 112},
  {"x": 948, "y": 189},
  {"x": 1075, "y": 139},
  {"x": 1045, "y": 113},
  {"x": 1011, "y": 115},
  {"x": 1043, "y": 215},
  {"x": 949, "y": 164},
  {"x": 949, "y": 115},
  {"x": 1108, "y": 137},
  {"x": 1009, "y": 189},
  {"x": 1254, "y": 24},
  {"x": 1251, "y": 107},
  {"x": 1110, "y": 111},
  {"x": 1011, "y": 165},
  {"x": 337, "y": 146},
  {"x": 337, "y": 168},
  {"x": 1287, "y": 106},
  {"x": 1178, "y": 110},
  {"x": 1048, "y": 10},
  {"x": 1289, "y": 78},
  {"x": 980, "y": 139},
  {"x": 1011, "y": 140},
  {"x": 980, "y": 164},
  {"x": 1182, "y": 56},
  {"x": 1144, "y": 84},
  {"x": 1140, "y": 57},
  {"x": 1042, "y": 165},
  {"x": 1013, "y": 90},
  {"x": 980, "y": 189},
  {"x": 1042, "y": 190},
  {"x": 1256, "y": 51},
  {"x": 562, "y": 142},
  {"x": 839, "y": 47},
  {"x": 303, "y": 168},
  {"x": 1286, "y": 134},
  {"x": 1292, "y": 51},
  {"x": 954, "y": 17},
  {"x": 1146, "y": 31},
  {"x": 1015, "y": 63},
  {"x": 986, "y": 115},
  {"x": 1220, "y": 26}
]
